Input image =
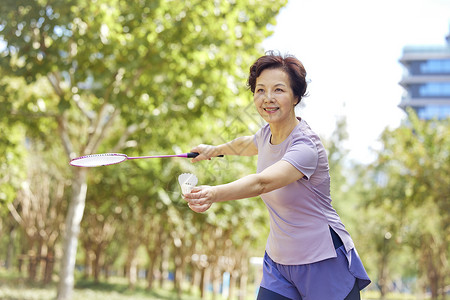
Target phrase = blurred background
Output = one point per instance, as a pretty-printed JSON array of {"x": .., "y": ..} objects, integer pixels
[{"x": 151, "y": 77}]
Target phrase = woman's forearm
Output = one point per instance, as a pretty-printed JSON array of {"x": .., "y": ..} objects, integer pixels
[
  {"x": 243, "y": 146},
  {"x": 245, "y": 187},
  {"x": 273, "y": 177}
]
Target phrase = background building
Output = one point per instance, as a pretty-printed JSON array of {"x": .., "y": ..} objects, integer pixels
[{"x": 427, "y": 80}]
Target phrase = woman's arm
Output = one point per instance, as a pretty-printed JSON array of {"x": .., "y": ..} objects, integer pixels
[
  {"x": 243, "y": 146},
  {"x": 274, "y": 177}
]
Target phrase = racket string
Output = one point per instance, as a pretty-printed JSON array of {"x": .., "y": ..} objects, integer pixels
[{"x": 95, "y": 160}]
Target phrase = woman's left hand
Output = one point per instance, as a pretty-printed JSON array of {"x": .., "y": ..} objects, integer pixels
[{"x": 200, "y": 198}]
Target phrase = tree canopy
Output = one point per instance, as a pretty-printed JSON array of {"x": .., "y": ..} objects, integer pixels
[{"x": 117, "y": 75}]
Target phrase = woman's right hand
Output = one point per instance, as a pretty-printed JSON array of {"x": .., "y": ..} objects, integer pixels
[
  {"x": 243, "y": 146},
  {"x": 205, "y": 152}
]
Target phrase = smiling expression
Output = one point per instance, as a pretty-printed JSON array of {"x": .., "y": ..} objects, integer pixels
[{"x": 273, "y": 97}]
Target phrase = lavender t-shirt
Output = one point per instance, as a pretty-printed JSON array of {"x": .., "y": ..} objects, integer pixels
[{"x": 301, "y": 212}]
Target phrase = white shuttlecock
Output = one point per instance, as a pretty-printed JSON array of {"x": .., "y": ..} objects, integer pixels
[{"x": 187, "y": 182}]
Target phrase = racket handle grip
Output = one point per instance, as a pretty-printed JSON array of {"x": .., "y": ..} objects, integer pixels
[{"x": 195, "y": 154}]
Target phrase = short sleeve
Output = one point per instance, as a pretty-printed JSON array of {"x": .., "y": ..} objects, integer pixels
[
  {"x": 256, "y": 138},
  {"x": 303, "y": 155},
  {"x": 259, "y": 136}
]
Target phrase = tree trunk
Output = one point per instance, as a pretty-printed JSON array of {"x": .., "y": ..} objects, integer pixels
[
  {"x": 244, "y": 276},
  {"x": 216, "y": 280},
  {"x": 106, "y": 271},
  {"x": 87, "y": 260},
  {"x": 49, "y": 264},
  {"x": 39, "y": 256},
  {"x": 202, "y": 283},
  {"x": 132, "y": 273},
  {"x": 72, "y": 229},
  {"x": 433, "y": 265},
  {"x": 152, "y": 253},
  {"x": 10, "y": 247},
  {"x": 164, "y": 266},
  {"x": 243, "y": 285},
  {"x": 231, "y": 291},
  {"x": 96, "y": 264},
  {"x": 150, "y": 269},
  {"x": 131, "y": 261},
  {"x": 32, "y": 265},
  {"x": 382, "y": 276},
  {"x": 178, "y": 271},
  {"x": 196, "y": 277},
  {"x": 206, "y": 276}
]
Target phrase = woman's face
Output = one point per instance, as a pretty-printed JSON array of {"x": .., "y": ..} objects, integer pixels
[{"x": 273, "y": 97}]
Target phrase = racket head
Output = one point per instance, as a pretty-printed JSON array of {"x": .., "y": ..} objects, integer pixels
[{"x": 97, "y": 160}]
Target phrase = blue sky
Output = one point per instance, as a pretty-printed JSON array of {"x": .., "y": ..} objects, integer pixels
[{"x": 350, "y": 49}]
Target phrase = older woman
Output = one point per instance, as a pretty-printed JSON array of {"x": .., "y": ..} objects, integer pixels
[{"x": 309, "y": 253}]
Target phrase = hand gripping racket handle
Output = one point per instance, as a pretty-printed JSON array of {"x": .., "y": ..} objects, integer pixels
[{"x": 195, "y": 154}]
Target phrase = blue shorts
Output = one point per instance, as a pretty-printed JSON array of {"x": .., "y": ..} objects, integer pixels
[{"x": 331, "y": 279}]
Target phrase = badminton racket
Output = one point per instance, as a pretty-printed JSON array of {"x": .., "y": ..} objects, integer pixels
[{"x": 106, "y": 159}]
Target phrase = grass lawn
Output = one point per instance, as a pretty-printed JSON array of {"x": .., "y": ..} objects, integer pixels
[
  {"x": 20, "y": 290},
  {"x": 14, "y": 287}
]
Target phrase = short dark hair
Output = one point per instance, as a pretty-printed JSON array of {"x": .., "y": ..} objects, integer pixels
[{"x": 288, "y": 63}]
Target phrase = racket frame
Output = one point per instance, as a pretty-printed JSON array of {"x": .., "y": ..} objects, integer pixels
[{"x": 73, "y": 162}]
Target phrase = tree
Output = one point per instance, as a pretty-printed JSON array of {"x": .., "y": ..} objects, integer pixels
[
  {"x": 411, "y": 188},
  {"x": 39, "y": 209},
  {"x": 128, "y": 65},
  {"x": 12, "y": 162},
  {"x": 12, "y": 170}
]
